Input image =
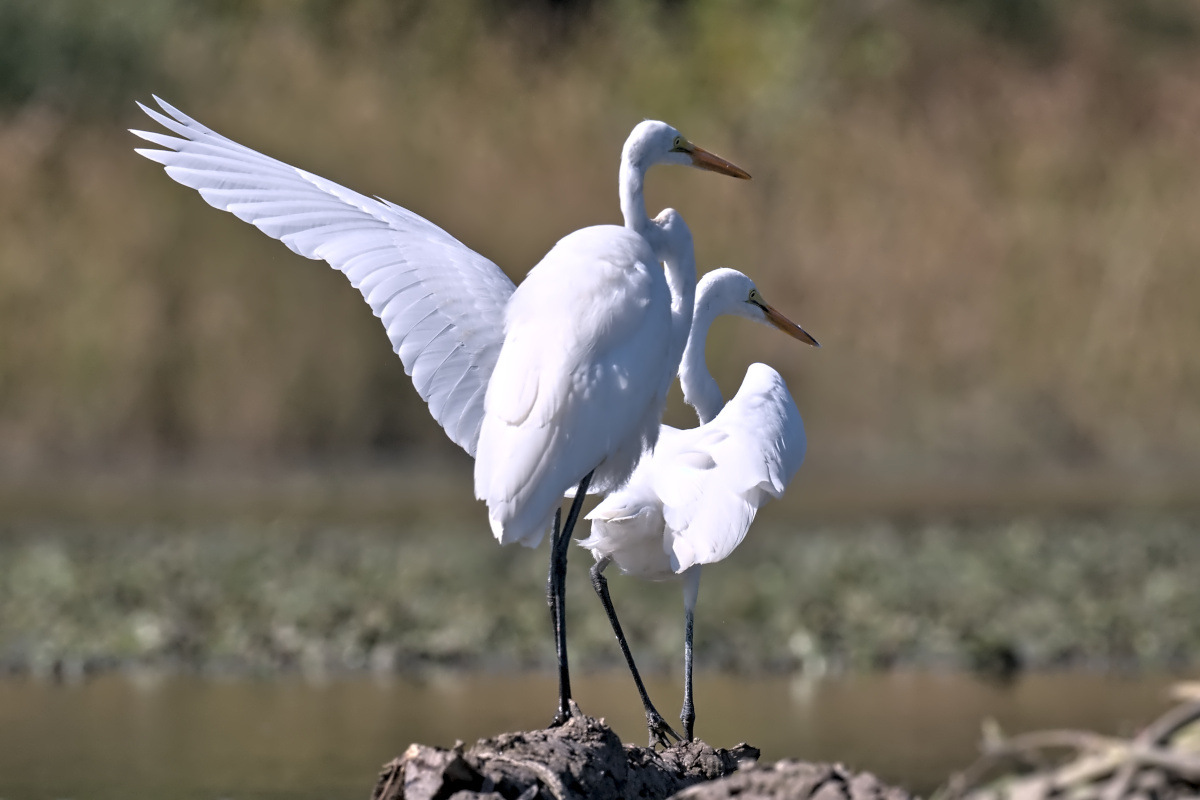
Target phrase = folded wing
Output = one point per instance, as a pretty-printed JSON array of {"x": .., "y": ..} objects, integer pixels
[
  {"x": 715, "y": 483},
  {"x": 576, "y": 385}
]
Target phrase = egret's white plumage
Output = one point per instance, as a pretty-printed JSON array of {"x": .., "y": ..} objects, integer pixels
[
  {"x": 618, "y": 353},
  {"x": 447, "y": 311},
  {"x": 441, "y": 302},
  {"x": 543, "y": 384},
  {"x": 692, "y": 499},
  {"x": 578, "y": 375}
]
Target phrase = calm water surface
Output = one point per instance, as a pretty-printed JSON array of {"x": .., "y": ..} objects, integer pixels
[{"x": 187, "y": 737}]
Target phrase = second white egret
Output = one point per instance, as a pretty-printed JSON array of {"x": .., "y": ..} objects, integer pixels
[{"x": 691, "y": 501}]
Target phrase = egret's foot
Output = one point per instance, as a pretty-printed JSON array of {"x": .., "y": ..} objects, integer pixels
[
  {"x": 660, "y": 732},
  {"x": 565, "y": 715},
  {"x": 688, "y": 718}
]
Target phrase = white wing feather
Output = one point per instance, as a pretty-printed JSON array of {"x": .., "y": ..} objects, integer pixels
[
  {"x": 696, "y": 495},
  {"x": 441, "y": 303},
  {"x": 577, "y": 384},
  {"x": 756, "y": 445}
]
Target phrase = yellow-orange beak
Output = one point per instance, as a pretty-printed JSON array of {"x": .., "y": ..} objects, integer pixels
[
  {"x": 787, "y": 326},
  {"x": 713, "y": 163}
]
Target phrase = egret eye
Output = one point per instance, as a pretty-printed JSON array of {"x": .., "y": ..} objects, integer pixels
[
  {"x": 753, "y": 296},
  {"x": 678, "y": 143}
]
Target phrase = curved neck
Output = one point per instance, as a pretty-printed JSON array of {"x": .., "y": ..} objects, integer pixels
[
  {"x": 678, "y": 256},
  {"x": 700, "y": 389},
  {"x": 681, "y": 278},
  {"x": 633, "y": 201}
]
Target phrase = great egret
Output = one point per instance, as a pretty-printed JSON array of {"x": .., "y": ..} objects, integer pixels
[
  {"x": 691, "y": 500},
  {"x": 577, "y": 355}
]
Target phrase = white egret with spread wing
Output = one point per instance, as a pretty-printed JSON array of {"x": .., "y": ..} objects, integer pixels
[
  {"x": 544, "y": 384},
  {"x": 691, "y": 501}
]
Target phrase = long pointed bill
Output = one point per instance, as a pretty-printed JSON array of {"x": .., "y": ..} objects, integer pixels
[
  {"x": 713, "y": 163},
  {"x": 787, "y": 326}
]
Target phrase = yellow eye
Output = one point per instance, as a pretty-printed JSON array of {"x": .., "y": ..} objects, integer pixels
[
  {"x": 678, "y": 143},
  {"x": 753, "y": 295}
]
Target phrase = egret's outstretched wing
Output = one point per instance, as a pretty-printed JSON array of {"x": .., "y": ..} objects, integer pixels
[
  {"x": 441, "y": 302},
  {"x": 712, "y": 486}
]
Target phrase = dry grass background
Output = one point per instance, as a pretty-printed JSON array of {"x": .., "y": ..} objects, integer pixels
[{"x": 986, "y": 215}]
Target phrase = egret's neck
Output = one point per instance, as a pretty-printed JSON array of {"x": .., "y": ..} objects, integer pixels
[
  {"x": 680, "y": 262},
  {"x": 700, "y": 389},
  {"x": 675, "y": 251},
  {"x": 633, "y": 202}
]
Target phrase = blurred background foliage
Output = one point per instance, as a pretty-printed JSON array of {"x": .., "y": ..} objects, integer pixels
[
  {"x": 985, "y": 209},
  {"x": 991, "y": 597}
]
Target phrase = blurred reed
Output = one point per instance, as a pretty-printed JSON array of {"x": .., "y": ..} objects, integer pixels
[{"x": 984, "y": 210}]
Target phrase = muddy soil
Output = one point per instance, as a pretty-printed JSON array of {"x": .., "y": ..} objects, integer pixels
[{"x": 585, "y": 759}]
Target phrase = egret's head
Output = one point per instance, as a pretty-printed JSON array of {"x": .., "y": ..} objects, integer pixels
[
  {"x": 671, "y": 223},
  {"x": 673, "y": 239},
  {"x": 730, "y": 292},
  {"x": 653, "y": 142}
]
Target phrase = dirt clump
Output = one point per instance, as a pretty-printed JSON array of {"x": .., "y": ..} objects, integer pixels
[{"x": 584, "y": 758}]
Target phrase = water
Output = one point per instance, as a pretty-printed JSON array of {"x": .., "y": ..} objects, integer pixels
[{"x": 120, "y": 736}]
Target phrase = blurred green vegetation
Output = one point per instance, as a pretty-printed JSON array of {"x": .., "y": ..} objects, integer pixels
[
  {"x": 988, "y": 596},
  {"x": 984, "y": 208}
]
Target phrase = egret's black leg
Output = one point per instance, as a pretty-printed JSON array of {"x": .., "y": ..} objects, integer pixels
[
  {"x": 691, "y": 590},
  {"x": 552, "y": 598},
  {"x": 556, "y": 587},
  {"x": 688, "y": 715},
  {"x": 557, "y": 617},
  {"x": 660, "y": 731}
]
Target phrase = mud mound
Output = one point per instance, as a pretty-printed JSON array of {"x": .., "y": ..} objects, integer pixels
[{"x": 585, "y": 759}]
